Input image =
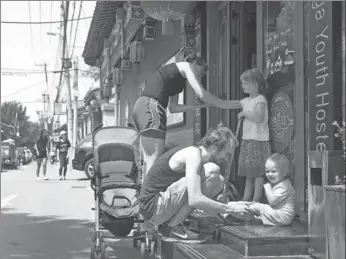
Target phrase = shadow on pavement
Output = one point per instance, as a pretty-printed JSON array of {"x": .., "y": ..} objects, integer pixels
[{"x": 49, "y": 237}]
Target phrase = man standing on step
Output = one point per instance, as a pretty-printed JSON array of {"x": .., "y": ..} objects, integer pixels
[{"x": 187, "y": 178}]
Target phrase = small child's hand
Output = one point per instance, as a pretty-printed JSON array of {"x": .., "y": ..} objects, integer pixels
[{"x": 266, "y": 185}]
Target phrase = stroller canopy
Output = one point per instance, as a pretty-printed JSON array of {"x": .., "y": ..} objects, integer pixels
[{"x": 114, "y": 149}]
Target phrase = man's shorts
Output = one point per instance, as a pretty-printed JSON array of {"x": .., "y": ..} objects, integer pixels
[
  {"x": 150, "y": 117},
  {"x": 170, "y": 202}
]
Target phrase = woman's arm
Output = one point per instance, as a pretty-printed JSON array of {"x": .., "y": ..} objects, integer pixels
[
  {"x": 186, "y": 69},
  {"x": 257, "y": 115},
  {"x": 174, "y": 107}
]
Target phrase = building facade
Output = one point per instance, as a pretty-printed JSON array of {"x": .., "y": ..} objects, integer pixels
[{"x": 299, "y": 46}]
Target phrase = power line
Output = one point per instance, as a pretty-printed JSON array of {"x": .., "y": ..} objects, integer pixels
[
  {"x": 46, "y": 22},
  {"x": 22, "y": 89},
  {"x": 71, "y": 28},
  {"x": 75, "y": 35},
  {"x": 40, "y": 12},
  {"x": 31, "y": 33}
]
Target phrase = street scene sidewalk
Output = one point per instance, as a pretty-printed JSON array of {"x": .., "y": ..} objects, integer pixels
[{"x": 49, "y": 219}]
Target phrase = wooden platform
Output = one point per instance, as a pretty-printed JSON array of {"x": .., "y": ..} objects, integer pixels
[{"x": 240, "y": 241}]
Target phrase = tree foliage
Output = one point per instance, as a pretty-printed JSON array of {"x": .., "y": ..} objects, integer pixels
[{"x": 28, "y": 131}]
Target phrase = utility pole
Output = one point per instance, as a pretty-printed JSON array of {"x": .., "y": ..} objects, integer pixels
[
  {"x": 45, "y": 96},
  {"x": 67, "y": 65},
  {"x": 75, "y": 108}
]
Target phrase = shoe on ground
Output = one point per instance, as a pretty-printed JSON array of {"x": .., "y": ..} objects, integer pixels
[
  {"x": 64, "y": 178},
  {"x": 181, "y": 234},
  {"x": 60, "y": 177},
  {"x": 38, "y": 178},
  {"x": 46, "y": 177}
]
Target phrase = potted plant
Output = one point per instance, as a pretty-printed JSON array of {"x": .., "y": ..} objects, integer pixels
[{"x": 341, "y": 129}]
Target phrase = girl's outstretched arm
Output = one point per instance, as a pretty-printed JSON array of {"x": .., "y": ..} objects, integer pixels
[{"x": 174, "y": 107}]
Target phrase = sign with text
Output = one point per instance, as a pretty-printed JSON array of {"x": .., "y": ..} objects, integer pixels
[{"x": 324, "y": 89}]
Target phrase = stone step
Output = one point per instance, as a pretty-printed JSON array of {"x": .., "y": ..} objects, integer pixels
[{"x": 250, "y": 239}]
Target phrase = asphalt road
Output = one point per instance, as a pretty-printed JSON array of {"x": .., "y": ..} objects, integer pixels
[{"x": 49, "y": 219}]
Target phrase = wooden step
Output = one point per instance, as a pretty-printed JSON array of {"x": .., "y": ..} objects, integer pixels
[
  {"x": 249, "y": 239},
  {"x": 217, "y": 251}
]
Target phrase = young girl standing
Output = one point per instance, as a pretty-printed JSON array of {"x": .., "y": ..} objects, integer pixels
[{"x": 255, "y": 145}]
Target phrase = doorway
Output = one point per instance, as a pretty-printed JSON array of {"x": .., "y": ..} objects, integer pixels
[{"x": 233, "y": 52}]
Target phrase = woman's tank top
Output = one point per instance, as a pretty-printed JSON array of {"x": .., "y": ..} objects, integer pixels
[{"x": 167, "y": 81}]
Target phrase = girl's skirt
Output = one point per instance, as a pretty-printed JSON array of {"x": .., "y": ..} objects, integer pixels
[{"x": 252, "y": 157}]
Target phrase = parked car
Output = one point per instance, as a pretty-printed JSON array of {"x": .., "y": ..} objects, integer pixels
[
  {"x": 83, "y": 158},
  {"x": 28, "y": 155},
  {"x": 21, "y": 155},
  {"x": 9, "y": 154}
]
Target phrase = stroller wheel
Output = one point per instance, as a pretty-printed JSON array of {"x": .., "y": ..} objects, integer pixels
[
  {"x": 146, "y": 249},
  {"x": 101, "y": 254},
  {"x": 136, "y": 236}
]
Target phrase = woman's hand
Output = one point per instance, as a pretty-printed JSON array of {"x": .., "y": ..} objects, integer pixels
[{"x": 241, "y": 115}]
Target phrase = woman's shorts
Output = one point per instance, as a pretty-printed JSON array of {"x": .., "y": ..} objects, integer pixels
[
  {"x": 252, "y": 157},
  {"x": 150, "y": 117}
]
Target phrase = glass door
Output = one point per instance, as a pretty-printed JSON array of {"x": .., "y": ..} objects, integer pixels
[{"x": 223, "y": 54}]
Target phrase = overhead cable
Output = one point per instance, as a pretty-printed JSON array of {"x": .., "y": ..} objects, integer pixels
[{"x": 46, "y": 22}]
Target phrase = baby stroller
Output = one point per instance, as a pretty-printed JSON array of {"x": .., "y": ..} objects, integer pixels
[{"x": 116, "y": 203}]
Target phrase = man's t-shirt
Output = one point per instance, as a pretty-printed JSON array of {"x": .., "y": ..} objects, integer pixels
[{"x": 63, "y": 146}]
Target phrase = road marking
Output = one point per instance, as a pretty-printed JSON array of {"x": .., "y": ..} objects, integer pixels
[{"x": 7, "y": 200}]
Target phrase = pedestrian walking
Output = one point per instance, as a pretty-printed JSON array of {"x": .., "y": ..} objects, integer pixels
[
  {"x": 63, "y": 146},
  {"x": 42, "y": 147}
]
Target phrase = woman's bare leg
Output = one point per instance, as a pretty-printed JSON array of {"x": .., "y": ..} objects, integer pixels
[
  {"x": 38, "y": 162},
  {"x": 249, "y": 188},
  {"x": 151, "y": 149}
]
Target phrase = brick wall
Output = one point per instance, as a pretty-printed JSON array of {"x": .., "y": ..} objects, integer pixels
[{"x": 157, "y": 52}]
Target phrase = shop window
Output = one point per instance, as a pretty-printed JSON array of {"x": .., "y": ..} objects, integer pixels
[{"x": 279, "y": 67}]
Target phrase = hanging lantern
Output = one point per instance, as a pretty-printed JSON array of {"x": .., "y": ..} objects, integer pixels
[
  {"x": 125, "y": 63},
  {"x": 93, "y": 103},
  {"x": 118, "y": 76},
  {"x": 167, "y": 12},
  {"x": 120, "y": 15},
  {"x": 136, "y": 51},
  {"x": 188, "y": 35},
  {"x": 149, "y": 29}
]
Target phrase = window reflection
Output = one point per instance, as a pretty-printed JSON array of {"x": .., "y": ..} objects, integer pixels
[{"x": 280, "y": 71}]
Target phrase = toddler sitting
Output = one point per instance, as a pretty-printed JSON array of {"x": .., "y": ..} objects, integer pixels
[{"x": 280, "y": 194}]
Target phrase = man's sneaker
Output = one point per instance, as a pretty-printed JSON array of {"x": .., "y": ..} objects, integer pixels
[
  {"x": 64, "y": 177},
  {"x": 181, "y": 234},
  {"x": 38, "y": 178},
  {"x": 46, "y": 177},
  {"x": 60, "y": 177}
]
